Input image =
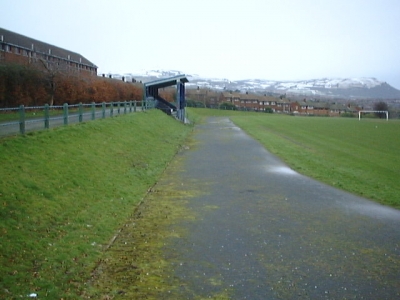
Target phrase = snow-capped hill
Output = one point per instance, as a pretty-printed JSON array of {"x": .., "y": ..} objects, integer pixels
[
  {"x": 326, "y": 83},
  {"x": 363, "y": 82},
  {"x": 363, "y": 87},
  {"x": 156, "y": 73},
  {"x": 146, "y": 75},
  {"x": 346, "y": 88}
]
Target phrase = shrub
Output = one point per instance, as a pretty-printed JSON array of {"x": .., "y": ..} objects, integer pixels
[
  {"x": 227, "y": 106},
  {"x": 29, "y": 86},
  {"x": 347, "y": 115},
  {"x": 269, "y": 110}
]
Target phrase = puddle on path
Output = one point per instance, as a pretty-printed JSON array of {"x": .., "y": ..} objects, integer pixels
[
  {"x": 282, "y": 170},
  {"x": 232, "y": 128}
]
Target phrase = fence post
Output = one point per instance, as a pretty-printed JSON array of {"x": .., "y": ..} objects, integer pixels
[
  {"x": 80, "y": 112},
  {"x": 22, "y": 119},
  {"x": 118, "y": 107},
  {"x": 103, "y": 110},
  {"x": 130, "y": 106},
  {"x": 125, "y": 107},
  {"x": 134, "y": 106},
  {"x": 111, "y": 109},
  {"x": 93, "y": 111},
  {"x": 46, "y": 116},
  {"x": 65, "y": 112}
]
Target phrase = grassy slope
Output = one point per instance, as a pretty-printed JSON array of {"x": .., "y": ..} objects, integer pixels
[
  {"x": 64, "y": 194},
  {"x": 361, "y": 157}
]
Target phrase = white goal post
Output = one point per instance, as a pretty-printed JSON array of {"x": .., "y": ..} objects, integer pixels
[{"x": 374, "y": 111}]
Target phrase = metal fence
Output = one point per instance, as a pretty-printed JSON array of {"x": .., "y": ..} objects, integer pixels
[{"x": 23, "y": 119}]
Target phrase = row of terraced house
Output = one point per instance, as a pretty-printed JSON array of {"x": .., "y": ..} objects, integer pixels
[{"x": 262, "y": 103}]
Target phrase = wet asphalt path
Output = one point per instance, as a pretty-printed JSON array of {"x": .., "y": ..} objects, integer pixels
[{"x": 263, "y": 231}]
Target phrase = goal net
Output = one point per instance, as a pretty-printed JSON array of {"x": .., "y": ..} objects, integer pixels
[{"x": 374, "y": 111}]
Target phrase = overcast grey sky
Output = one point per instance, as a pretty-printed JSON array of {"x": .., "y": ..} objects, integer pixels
[{"x": 233, "y": 39}]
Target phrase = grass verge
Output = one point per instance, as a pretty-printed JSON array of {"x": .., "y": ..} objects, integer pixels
[
  {"x": 65, "y": 193},
  {"x": 361, "y": 157}
]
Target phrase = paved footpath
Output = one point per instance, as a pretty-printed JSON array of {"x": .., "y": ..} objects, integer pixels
[{"x": 263, "y": 231}]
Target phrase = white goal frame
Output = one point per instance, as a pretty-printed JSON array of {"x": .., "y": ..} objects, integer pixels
[{"x": 373, "y": 111}]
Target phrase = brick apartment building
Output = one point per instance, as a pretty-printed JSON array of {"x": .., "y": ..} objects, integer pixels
[{"x": 20, "y": 49}]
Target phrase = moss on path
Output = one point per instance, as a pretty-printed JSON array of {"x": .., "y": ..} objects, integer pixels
[{"x": 228, "y": 220}]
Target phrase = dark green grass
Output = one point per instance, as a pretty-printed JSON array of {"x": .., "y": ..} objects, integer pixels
[
  {"x": 362, "y": 157},
  {"x": 64, "y": 194}
]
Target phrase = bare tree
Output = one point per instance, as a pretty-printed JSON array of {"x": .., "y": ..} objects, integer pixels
[
  {"x": 380, "y": 106},
  {"x": 53, "y": 70}
]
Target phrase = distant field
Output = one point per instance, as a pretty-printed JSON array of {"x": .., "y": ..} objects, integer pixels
[{"x": 362, "y": 157}]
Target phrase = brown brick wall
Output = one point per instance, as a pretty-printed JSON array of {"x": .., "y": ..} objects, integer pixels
[{"x": 13, "y": 54}]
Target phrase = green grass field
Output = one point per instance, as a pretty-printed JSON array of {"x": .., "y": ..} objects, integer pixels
[
  {"x": 362, "y": 157},
  {"x": 64, "y": 194}
]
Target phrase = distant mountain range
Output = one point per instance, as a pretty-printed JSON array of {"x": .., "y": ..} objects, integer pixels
[{"x": 330, "y": 88}]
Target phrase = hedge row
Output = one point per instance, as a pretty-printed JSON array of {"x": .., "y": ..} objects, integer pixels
[{"x": 24, "y": 85}]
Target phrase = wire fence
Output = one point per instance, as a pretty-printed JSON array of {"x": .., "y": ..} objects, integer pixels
[{"x": 20, "y": 120}]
